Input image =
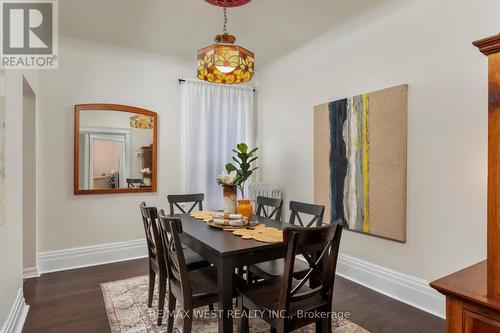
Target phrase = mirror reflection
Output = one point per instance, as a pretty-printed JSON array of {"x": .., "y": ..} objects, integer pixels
[{"x": 115, "y": 150}]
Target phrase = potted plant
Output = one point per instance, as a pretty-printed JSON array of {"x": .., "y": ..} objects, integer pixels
[{"x": 241, "y": 171}]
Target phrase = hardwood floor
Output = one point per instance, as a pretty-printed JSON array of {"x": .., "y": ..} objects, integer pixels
[{"x": 71, "y": 302}]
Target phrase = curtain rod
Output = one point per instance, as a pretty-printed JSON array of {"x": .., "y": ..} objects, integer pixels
[{"x": 181, "y": 81}]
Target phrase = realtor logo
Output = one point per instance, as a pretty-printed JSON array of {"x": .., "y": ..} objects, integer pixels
[{"x": 29, "y": 34}]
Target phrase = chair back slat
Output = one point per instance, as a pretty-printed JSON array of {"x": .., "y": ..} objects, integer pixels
[
  {"x": 269, "y": 207},
  {"x": 153, "y": 238},
  {"x": 175, "y": 199},
  {"x": 175, "y": 272},
  {"x": 171, "y": 229},
  {"x": 322, "y": 264},
  {"x": 298, "y": 297},
  {"x": 298, "y": 208}
]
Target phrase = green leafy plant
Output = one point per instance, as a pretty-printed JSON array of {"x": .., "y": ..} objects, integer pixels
[{"x": 243, "y": 169}]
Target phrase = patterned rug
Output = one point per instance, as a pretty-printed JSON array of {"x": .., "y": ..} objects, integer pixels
[{"x": 126, "y": 306}]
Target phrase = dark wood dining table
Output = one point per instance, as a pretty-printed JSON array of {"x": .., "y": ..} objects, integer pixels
[{"x": 227, "y": 252}]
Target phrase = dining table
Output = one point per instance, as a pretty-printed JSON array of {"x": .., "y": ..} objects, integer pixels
[{"x": 226, "y": 252}]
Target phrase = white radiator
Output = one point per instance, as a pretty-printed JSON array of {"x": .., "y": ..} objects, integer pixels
[{"x": 265, "y": 190}]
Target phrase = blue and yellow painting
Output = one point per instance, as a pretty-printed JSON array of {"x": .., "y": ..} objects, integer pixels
[
  {"x": 349, "y": 161},
  {"x": 360, "y": 161}
]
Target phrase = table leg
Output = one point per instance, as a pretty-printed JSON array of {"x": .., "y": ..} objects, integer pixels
[{"x": 225, "y": 297}]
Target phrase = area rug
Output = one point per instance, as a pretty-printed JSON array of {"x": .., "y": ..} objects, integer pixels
[{"x": 126, "y": 306}]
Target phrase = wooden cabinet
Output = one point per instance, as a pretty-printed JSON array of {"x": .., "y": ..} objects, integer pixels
[
  {"x": 147, "y": 157},
  {"x": 469, "y": 309},
  {"x": 474, "y": 322},
  {"x": 473, "y": 294}
]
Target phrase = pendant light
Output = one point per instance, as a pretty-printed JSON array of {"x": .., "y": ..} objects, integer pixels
[
  {"x": 225, "y": 62},
  {"x": 141, "y": 121}
]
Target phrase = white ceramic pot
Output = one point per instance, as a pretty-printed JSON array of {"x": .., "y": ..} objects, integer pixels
[{"x": 230, "y": 196}]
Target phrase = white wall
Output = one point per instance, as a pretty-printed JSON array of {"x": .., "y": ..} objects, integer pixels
[
  {"x": 99, "y": 73},
  {"x": 426, "y": 44},
  {"x": 11, "y": 233},
  {"x": 29, "y": 176}
]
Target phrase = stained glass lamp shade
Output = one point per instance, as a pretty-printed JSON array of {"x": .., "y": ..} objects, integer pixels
[
  {"x": 224, "y": 62},
  {"x": 141, "y": 121}
]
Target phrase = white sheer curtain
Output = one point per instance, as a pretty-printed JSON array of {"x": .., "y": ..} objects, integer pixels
[{"x": 214, "y": 119}]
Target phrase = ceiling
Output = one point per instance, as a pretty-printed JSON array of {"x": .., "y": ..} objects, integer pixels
[{"x": 177, "y": 28}]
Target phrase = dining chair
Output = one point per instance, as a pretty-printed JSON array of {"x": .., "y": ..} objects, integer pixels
[
  {"x": 287, "y": 303},
  {"x": 269, "y": 207},
  {"x": 133, "y": 183},
  {"x": 266, "y": 207},
  {"x": 176, "y": 199},
  {"x": 157, "y": 259},
  {"x": 298, "y": 208},
  {"x": 192, "y": 289},
  {"x": 298, "y": 212}
]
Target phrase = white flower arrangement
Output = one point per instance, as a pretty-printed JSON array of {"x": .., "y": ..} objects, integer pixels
[
  {"x": 227, "y": 178},
  {"x": 145, "y": 171}
]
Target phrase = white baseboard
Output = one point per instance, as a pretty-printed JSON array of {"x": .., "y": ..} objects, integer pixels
[
  {"x": 17, "y": 315},
  {"x": 61, "y": 260},
  {"x": 30, "y": 272},
  {"x": 404, "y": 288},
  {"x": 407, "y": 289}
]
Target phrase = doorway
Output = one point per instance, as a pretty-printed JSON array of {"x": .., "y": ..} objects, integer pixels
[
  {"x": 104, "y": 158},
  {"x": 29, "y": 181}
]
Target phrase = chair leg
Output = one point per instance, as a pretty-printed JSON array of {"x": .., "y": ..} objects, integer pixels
[
  {"x": 281, "y": 326},
  {"x": 250, "y": 276},
  {"x": 171, "y": 314},
  {"x": 323, "y": 326},
  {"x": 152, "y": 278},
  {"x": 243, "y": 321},
  {"x": 161, "y": 298},
  {"x": 188, "y": 321}
]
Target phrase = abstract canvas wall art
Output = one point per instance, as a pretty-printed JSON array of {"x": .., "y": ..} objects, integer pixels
[
  {"x": 360, "y": 161},
  {"x": 2, "y": 147}
]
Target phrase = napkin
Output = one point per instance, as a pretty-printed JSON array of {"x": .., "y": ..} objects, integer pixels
[
  {"x": 227, "y": 216},
  {"x": 234, "y": 223}
]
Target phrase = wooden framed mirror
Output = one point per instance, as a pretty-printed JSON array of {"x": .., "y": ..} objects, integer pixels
[{"x": 115, "y": 149}]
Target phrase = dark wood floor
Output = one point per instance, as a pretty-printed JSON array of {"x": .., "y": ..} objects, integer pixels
[{"x": 71, "y": 302}]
